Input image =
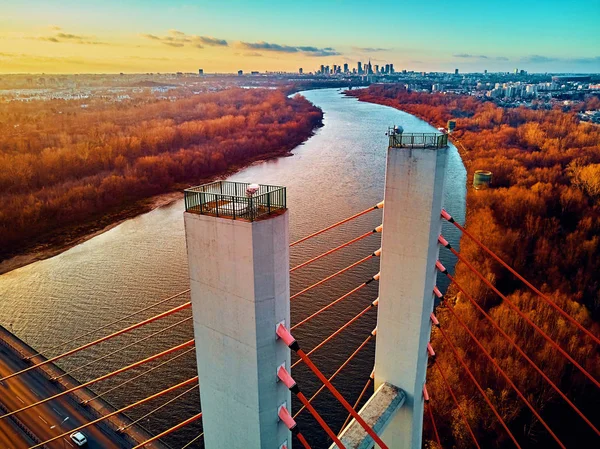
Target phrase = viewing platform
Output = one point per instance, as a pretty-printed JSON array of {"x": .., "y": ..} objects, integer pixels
[
  {"x": 236, "y": 200},
  {"x": 432, "y": 141}
]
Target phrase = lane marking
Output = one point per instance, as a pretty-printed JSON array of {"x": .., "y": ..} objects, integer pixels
[
  {"x": 42, "y": 419},
  {"x": 22, "y": 402},
  {"x": 34, "y": 392},
  {"x": 58, "y": 412},
  {"x": 68, "y": 442}
]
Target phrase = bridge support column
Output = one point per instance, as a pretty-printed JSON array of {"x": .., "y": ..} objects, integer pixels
[
  {"x": 239, "y": 276},
  {"x": 414, "y": 187}
]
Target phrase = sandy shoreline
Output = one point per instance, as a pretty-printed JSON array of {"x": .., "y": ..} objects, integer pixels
[
  {"x": 34, "y": 255},
  {"x": 146, "y": 205}
]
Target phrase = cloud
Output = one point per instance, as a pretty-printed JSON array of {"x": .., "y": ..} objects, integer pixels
[
  {"x": 174, "y": 44},
  {"x": 539, "y": 59},
  {"x": 212, "y": 41},
  {"x": 62, "y": 38},
  {"x": 306, "y": 50},
  {"x": 55, "y": 28},
  {"x": 369, "y": 49},
  {"x": 177, "y": 38},
  {"x": 70, "y": 36},
  {"x": 253, "y": 54},
  {"x": 469, "y": 56}
]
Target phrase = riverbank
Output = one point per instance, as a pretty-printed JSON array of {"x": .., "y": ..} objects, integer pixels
[{"x": 69, "y": 238}]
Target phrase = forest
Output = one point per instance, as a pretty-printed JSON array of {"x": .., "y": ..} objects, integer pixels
[
  {"x": 542, "y": 216},
  {"x": 64, "y": 165}
]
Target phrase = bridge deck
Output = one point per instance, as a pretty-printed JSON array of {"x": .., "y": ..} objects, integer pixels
[{"x": 36, "y": 424}]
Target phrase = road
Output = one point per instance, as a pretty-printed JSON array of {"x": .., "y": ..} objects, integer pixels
[{"x": 46, "y": 420}]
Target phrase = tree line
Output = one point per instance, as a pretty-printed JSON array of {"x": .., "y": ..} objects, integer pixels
[
  {"x": 64, "y": 165},
  {"x": 542, "y": 216}
]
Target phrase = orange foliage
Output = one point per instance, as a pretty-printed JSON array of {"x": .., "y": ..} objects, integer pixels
[
  {"x": 63, "y": 165},
  {"x": 542, "y": 216}
]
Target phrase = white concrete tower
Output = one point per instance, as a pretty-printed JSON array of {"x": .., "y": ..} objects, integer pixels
[
  {"x": 238, "y": 252},
  {"x": 414, "y": 190}
]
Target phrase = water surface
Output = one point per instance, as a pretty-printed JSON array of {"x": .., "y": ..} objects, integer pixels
[{"x": 336, "y": 173}]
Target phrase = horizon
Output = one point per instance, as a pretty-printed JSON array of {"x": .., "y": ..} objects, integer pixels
[{"x": 84, "y": 37}]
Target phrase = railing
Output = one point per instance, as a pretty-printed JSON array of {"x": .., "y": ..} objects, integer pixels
[
  {"x": 417, "y": 140},
  {"x": 229, "y": 200}
]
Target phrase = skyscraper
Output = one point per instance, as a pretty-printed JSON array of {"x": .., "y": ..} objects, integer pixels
[
  {"x": 322, "y": 69},
  {"x": 391, "y": 68},
  {"x": 346, "y": 68},
  {"x": 456, "y": 71},
  {"x": 300, "y": 71},
  {"x": 360, "y": 69}
]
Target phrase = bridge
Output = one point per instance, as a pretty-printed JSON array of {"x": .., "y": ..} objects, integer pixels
[{"x": 247, "y": 348}]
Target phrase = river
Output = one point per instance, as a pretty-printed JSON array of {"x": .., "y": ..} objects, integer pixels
[{"x": 337, "y": 172}]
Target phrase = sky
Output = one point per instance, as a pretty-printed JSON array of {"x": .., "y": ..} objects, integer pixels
[{"x": 130, "y": 36}]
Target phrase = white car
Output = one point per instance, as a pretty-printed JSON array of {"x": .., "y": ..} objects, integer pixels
[{"x": 78, "y": 438}]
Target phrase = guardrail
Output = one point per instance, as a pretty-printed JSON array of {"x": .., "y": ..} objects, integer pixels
[
  {"x": 418, "y": 140},
  {"x": 229, "y": 199}
]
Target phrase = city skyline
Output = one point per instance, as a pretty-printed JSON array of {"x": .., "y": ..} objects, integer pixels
[{"x": 180, "y": 35}]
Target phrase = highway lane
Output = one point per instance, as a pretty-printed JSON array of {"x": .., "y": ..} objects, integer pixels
[{"x": 46, "y": 420}]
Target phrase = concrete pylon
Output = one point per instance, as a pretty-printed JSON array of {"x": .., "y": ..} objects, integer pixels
[
  {"x": 239, "y": 278},
  {"x": 414, "y": 191}
]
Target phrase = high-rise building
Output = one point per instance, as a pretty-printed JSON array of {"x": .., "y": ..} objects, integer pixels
[
  {"x": 377, "y": 69},
  {"x": 485, "y": 72},
  {"x": 200, "y": 72},
  {"x": 369, "y": 68},
  {"x": 391, "y": 68},
  {"x": 360, "y": 69},
  {"x": 240, "y": 72},
  {"x": 300, "y": 71},
  {"x": 322, "y": 69},
  {"x": 456, "y": 71},
  {"x": 346, "y": 68},
  {"x": 387, "y": 68},
  {"x": 335, "y": 68}
]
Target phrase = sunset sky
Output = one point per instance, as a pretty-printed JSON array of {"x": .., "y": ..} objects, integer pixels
[{"x": 85, "y": 36}]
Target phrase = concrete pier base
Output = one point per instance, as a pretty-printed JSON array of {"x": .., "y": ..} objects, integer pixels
[
  {"x": 414, "y": 191},
  {"x": 239, "y": 274}
]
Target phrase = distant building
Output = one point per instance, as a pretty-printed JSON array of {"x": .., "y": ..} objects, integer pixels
[
  {"x": 346, "y": 68},
  {"x": 300, "y": 71},
  {"x": 200, "y": 72},
  {"x": 240, "y": 72},
  {"x": 516, "y": 71},
  {"x": 456, "y": 71},
  {"x": 485, "y": 72},
  {"x": 252, "y": 73},
  {"x": 391, "y": 68},
  {"x": 360, "y": 69},
  {"x": 376, "y": 68}
]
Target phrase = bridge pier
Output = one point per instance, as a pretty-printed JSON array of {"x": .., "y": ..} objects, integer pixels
[
  {"x": 414, "y": 190},
  {"x": 238, "y": 254}
]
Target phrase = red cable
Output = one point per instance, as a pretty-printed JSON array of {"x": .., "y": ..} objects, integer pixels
[
  {"x": 303, "y": 440},
  {"x": 487, "y": 400},
  {"x": 523, "y": 354},
  {"x": 328, "y": 306},
  {"x": 105, "y": 376},
  {"x": 449, "y": 218},
  {"x": 326, "y": 253},
  {"x": 171, "y": 430},
  {"x": 343, "y": 365},
  {"x": 435, "y": 431},
  {"x": 340, "y": 398},
  {"x": 366, "y": 211},
  {"x": 100, "y": 340},
  {"x": 310, "y": 287},
  {"x": 360, "y": 396},
  {"x": 320, "y": 420},
  {"x": 337, "y": 332},
  {"x": 522, "y": 315},
  {"x": 503, "y": 373},
  {"x": 460, "y": 410}
]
